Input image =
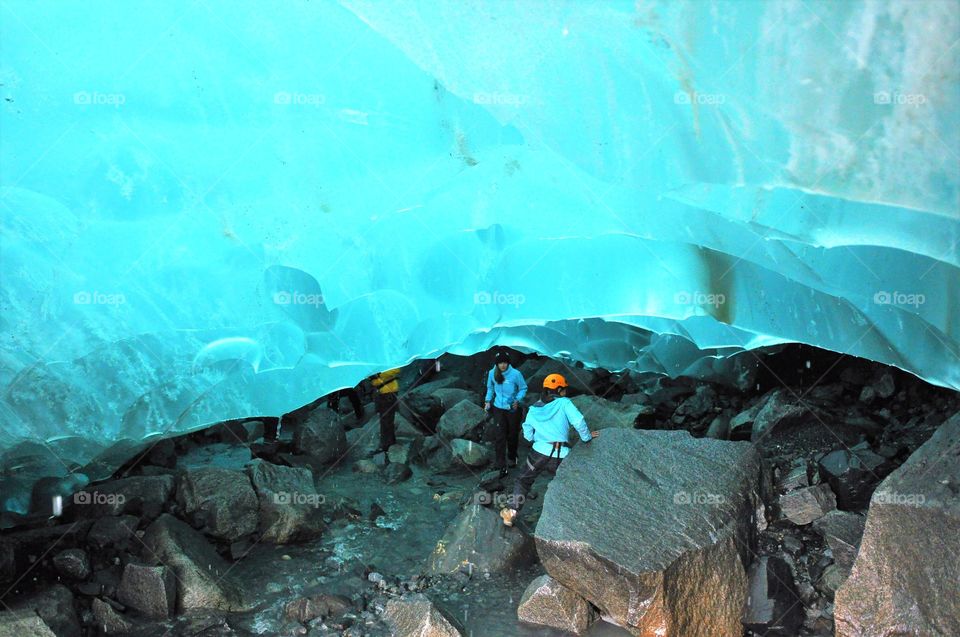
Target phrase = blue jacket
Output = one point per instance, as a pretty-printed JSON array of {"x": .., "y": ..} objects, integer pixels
[
  {"x": 512, "y": 389},
  {"x": 547, "y": 423}
]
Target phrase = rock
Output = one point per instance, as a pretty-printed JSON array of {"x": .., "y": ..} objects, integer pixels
[
  {"x": 842, "y": 532},
  {"x": 202, "y": 575},
  {"x": 741, "y": 425},
  {"x": 305, "y": 609},
  {"x": 461, "y": 420},
  {"x": 440, "y": 458},
  {"x": 290, "y": 507},
  {"x": 396, "y": 473},
  {"x": 472, "y": 454},
  {"x": 604, "y": 414},
  {"x": 795, "y": 477},
  {"x": 55, "y": 608},
  {"x": 140, "y": 495},
  {"x": 23, "y": 623},
  {"x": 885, "y": 387},
  {"x": 868, "y": 394},
  {"x": 853, "y": 475},
  {"x": 422, "y": 410},
  {"x": 906, "y": 578},
  {"x": 772, "y": 607},
  {"x": 365, "y": 466},
  {"x": 151, "y": 590},
  {"x": 162, "y": 454},
  {"x": 831, "y": 579},
  {"x": 321, "y": 438},
  {"x": 703, "y": 401},
  {"x": 416, "y": 616},
  {"x": 719, "y": 428},
  {"x": 220, "y": 502},
  {"x": 688, "y": 502},
  {"x": 803, "y": 506},
  {"x": 450, "y": 396},
  {"x": 115, "y": 532},
  {"x": 109, "y": 621},
  {"x": 478, "y": 540},
  {"x": 547, "y": 602},
  {"x": 406, "y": 452},
  {"x": 777, "y": 413},
  {"x": 72, "y": 563}
]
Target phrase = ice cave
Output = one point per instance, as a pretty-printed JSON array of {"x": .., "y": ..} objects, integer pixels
[{"x": 722, "y": 235}]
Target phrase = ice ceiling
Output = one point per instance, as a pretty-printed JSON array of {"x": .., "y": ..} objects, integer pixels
[{"x": 223, "y": 209}]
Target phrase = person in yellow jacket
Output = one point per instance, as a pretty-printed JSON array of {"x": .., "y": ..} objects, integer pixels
[{"x": 386, "y": 385}]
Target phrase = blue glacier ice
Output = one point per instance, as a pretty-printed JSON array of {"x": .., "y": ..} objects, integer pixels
[{"x": 221, "y": 209}]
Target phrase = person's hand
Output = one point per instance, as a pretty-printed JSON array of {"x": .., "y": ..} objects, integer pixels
[
  {"x": 594, "y": 434},
  {"x": 486, "y": 406},
  {"x": 515, "y": 405}
]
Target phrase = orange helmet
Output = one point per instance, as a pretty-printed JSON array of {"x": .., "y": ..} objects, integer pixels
[{"x": 554, "y": 381}]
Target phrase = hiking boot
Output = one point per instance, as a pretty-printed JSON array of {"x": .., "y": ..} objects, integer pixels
[{"x": 508, "y": 516}]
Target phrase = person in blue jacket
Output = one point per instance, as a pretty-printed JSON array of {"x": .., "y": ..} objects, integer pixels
[
  {"x": 547, "y": 426},
  {"x": 505, "y": 389}
]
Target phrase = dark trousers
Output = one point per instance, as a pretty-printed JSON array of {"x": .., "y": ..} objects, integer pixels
[
  {"x": 536, "y": 464},
  {"x": 506, "y": 434},
  {"x": 387, "y": 408},
  {"x": 334, "y": 401}
]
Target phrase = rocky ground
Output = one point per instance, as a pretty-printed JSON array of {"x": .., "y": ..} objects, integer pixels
[{"x": 702, "y": 509}]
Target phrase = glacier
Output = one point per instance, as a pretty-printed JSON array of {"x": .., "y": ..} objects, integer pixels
[{"x": 215, "y": 210}]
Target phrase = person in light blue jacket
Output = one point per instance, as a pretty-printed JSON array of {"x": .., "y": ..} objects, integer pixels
[
  {"x": 547, "y": 426},
  {"x": 505, "y": 389}
]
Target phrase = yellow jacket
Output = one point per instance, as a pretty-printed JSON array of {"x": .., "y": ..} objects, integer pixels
[{"x": 387, "y": 382}]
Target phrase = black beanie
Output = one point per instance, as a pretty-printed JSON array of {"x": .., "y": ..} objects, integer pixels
[{"x": 502, "y": 357}]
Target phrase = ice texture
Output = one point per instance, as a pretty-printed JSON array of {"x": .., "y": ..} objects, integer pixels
[{"x": 214, "y": 209}]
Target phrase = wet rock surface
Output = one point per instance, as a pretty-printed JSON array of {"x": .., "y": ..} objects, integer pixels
[
  {"x": 417, "y": 616},
  {"x": 478, "y": 541},
  {"x": 219, "y": 502}
]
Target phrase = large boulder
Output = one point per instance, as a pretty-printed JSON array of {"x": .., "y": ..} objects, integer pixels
[
  {"x": 450, "y": 396},
  {"x": 416, "y": 616},
  {"x": 547, "y": 602},
  {"x": 204, "y": 580},
  {"x": 321, "y": 438},
  {"x": 906, "y": 577},
  {"x": 477, "y": 540},
  {"x": 654, "y": 529},
  {"x": 601, "y": 413},
  {"x": 422, "y": 410},
  {"x": 463, "y": 420},
  {"x": 290, "y": 507},
  {"x": 220, "y": 502}
]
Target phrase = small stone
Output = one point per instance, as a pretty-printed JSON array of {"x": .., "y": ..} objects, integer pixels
[
  {"x": 803, "y": 506},
  {"x": 151, "y": 590},
  {"x": 108, "y": 620},
  {"x": 73, "y": 563},
  {"x": 547, "y": 602}
]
